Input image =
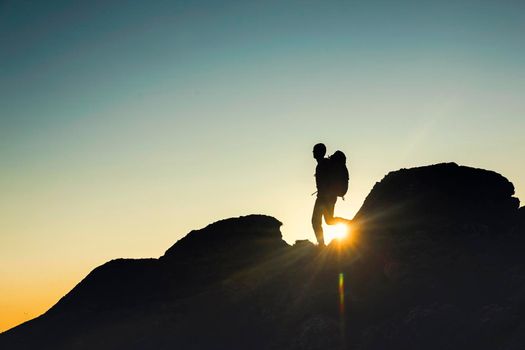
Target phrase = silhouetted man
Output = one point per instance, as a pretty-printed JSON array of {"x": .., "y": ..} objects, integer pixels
[{"x": 326, "y": 192}]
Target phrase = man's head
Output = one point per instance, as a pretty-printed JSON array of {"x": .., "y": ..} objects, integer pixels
[{"x": 319, "y": 151}]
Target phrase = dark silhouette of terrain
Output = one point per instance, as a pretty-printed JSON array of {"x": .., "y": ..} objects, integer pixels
[
  {"x": 436, "y": 263},
  {"x": 441, "y": 195}
]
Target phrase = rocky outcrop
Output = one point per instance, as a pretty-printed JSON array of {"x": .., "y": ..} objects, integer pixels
[
  {"x": 440, "y": 195},
  {"x": 237, "y": 240}
]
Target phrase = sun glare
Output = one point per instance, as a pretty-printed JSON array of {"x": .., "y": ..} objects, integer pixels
[{"x": 339, "y": 231}]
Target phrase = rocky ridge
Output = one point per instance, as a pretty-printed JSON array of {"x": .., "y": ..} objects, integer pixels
[{"x": 435, "y": 262}]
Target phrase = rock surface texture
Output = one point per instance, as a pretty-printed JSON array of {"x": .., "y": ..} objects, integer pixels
[{"x": 435, "y": 261}]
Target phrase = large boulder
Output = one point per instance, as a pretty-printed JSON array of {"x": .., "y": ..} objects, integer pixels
[
  {"x": 234, "y": 240},
  {"x": 440, "y": 195}
]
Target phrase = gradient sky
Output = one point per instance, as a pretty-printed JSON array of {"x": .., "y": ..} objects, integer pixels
[{"x": 125, "y": 124}]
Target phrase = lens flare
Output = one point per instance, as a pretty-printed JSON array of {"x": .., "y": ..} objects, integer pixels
[
  {"x": 341, "y": 293},
  {"x": 342, "y": 323},
  {"x": 339, "y": 231}
]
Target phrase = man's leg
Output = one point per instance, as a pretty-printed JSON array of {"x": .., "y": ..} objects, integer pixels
[
  {"x": 328, "y": 211},
  {"x": 317, "y": 217}
]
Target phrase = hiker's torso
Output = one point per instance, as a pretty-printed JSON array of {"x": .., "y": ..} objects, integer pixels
[{"x": 322, "y": 177}]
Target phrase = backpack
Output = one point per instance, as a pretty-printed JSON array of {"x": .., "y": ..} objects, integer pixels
[{"x": 338, "y": 174}]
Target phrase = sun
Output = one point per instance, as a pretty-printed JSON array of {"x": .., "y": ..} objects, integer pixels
[{"x": 339, "y": 231}]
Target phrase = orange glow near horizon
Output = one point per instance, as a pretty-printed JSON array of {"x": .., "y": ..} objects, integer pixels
[
  {"x": 29, "y": 295},
  {"x": 22, "y": 303}
]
